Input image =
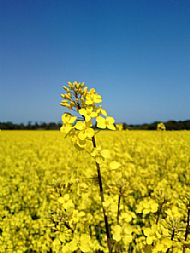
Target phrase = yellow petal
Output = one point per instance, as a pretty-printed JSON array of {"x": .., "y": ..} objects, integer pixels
[
  {"x": 103, "y": 112},
  {"x": 82, "y": 135},
  {"x": 80, "y": 125},
  {"x": 92, "y": 90},
  {"x": 101, "y": 122},
  {"x": 110, "y": 120},
  {"x": 81, "y": 143},
  {"x": 147, "y": 231},
  {"x": 97, "y": 99},
  {"x": 66, "y": 128},
  {"x": 117, "y": 233},
  {"x": 114, "y": 165},
  {"x": 106, "y": 153},
  {"x": 85, "y": 243},
  {"x": 89, "y": 102},
  {"x": 89, "y": 132},
  {"x": 111, "y": 127},
  {"x": 149, "y": 240},
  {"x": 87, "y": 118},
  {"x": 82, "y": 111},
  {"x": 72, "y": 119}
]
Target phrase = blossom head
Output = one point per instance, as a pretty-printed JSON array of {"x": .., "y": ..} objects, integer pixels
[{"x": 86, "y": 103}]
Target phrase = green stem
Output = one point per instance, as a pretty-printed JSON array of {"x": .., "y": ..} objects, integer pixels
[{"x": 108, "y": 234}]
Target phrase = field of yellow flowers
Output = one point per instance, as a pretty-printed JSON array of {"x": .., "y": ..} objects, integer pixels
[{"x": 50, "y": 201}]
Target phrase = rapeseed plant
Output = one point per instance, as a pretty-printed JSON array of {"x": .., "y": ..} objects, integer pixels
[{"x": 87, "y": 103}]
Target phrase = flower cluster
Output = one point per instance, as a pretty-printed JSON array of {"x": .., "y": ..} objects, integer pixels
[
  {"x": 161, "y": 126},
  {"x": 85, "y": 104}
]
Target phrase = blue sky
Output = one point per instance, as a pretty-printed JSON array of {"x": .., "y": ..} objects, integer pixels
[{"x": 136, "y": 53}]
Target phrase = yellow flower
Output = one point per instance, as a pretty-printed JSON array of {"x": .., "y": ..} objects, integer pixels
[
  {"x": 161, "y": 126},
  {"x": 92, "y": 97},
  {"x": 105, "y": 122},
  {"x": 117, "y": 230},
  {"x": 85, "y": 130},
  {"x": 66, "y": 128},
  {"x": 68, "y": 118},
  {"x": 80, "y": 143},
  {"x": 101, "y": 111},
  {"x": 88, "y": 113},
  {"x": 85, "y": 243},
  {"x": 68, "y": 121}
]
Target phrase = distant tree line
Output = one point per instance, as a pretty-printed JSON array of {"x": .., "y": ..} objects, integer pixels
[
  {"x": 29, "y": 126},
  {"x": 170, "y": 125}
]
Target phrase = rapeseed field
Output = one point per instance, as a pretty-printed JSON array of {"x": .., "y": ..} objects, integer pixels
[{"x": 50, "y": 201}]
